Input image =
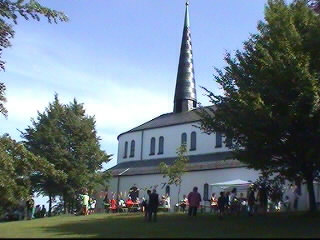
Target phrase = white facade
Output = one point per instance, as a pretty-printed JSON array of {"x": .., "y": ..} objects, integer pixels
[
  {"x": 189, "y": 180},
  {"x": 172, "y": 140}
]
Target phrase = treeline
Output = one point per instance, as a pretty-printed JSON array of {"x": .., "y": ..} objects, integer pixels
[{"x": 59, "y": 156}]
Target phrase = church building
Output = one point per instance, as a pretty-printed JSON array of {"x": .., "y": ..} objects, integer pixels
[{"x": 143, "y": 148}]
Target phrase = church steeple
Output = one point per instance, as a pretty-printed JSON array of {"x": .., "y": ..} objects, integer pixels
[{"x": 185, "y": 98}]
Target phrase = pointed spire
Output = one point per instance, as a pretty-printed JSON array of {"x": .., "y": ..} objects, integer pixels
[{"x": 185, "y": 98}]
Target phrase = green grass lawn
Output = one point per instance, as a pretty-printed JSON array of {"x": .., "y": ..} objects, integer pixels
[{"x": 168, "y": 225}]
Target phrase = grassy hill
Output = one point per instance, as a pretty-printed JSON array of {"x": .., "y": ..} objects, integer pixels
[{"x": 168, "y": 225}]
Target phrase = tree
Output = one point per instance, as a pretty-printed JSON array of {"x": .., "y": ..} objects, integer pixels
[
  {"x": 18, "y": 165},
  {"x": 177, "y": 169},
  {"x": 67, "y": 138},
  {"x": 271, "y": 102},
  {"x": 9, "y": 11}
]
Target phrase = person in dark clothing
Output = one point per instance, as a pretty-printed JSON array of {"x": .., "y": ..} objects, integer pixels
[
  {"x": 227, "y": 199},
  {"x": 251, "y": 202},
  {"x": 106, "y": 202},
  {"x": 263, "y": 198},
  {"x": 146, "y": 205},
  {"x": 221, "y": 204},
  {"x": 153, "y": 205},
  {"x": 43, "y": 211}
]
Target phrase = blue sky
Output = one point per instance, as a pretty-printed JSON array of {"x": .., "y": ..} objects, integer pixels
[{"x": 119, "y": 58}]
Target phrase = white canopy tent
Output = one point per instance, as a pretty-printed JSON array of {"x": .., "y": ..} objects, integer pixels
[{"x": 240, "y": 185}]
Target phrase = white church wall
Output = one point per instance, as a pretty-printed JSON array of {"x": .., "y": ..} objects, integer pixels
[
  {"x": 189, "y": 180},
  {"x": 128, "y": 137},
  {"x": 172, "y": 140}
]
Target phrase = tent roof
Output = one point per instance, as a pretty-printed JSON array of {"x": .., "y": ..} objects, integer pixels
[{"x": 236, "y": 182}]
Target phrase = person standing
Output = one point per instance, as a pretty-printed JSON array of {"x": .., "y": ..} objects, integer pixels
[
  {"x": 295, "y": 198},
  {"x": 85, "y": 203},
  {"x": 213, "y": 203},
  {"x": 251, "y": 202},
  {"x": 194, "y": 199},
  {"x": 43, "y": 211},
  {"x": 222, "y": 201},
  {"x": 146, "y": 205},
  {"x": 263, "y": 198},
  {"x": 30, "y": 208},
  {"x": 153, "y": 205},
  {"x": 106, "y": 203}
]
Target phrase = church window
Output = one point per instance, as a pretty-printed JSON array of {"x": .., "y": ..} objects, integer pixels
[
  {"x": 168, "y": 190},
  {"x": 125, "y": 150},
  {"x": 206, "y": 192},
  {"x": 183, "y": 139},
  {"x": 161, "y": 141},
  {"x": 132, "y": 148},
  {"x": 218, "y": 140},
  {"x": 193, "y": 141},
  {"x": 228, "y": 142},
  {"x": 152, "y": 146}
]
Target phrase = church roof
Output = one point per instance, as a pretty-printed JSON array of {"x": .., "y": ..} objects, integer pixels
[
  {"x": 195, "y": 163},
  {"x": 170, "y": 119}
]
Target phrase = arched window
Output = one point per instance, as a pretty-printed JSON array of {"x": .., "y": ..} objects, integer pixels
[
  {"x": 183, "y": 138},
  {"x": 152, "y": 146},
  {"x": 206, "y": 192},
  {"x": 193, "y": 141},
  {"x": 228, "y": 142},
  {"x": 161, "y": 141},
  {"x": 125, "y": 150},
  {"x": 168, "y": 190},
  {"x": 218, "y": 140},
  {"x": 132, "y": 148}
]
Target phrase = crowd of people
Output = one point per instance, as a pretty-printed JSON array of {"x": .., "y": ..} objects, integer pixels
[{"x": 253, "y": 201}]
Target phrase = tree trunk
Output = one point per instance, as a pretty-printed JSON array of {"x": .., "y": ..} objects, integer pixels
[
  {"x": 72, "y": 205},
  {"x": 50, "y": 205},
  {"x": 312, "y": 199},
  {"x": 64, "y": 204},
  {"x": 179, "y": 188}
]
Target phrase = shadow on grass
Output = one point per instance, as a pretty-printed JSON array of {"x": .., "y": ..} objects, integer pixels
[{"x": 178, "y": 225}]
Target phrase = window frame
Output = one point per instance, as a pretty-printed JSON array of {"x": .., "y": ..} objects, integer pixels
[
  {"x": 132, "y": 148},
  {"x": 218, "y": 136},
  {"x": 193, "y": 143},
  {"x": 182, "y": 138},
  {"x": 161, "y": 145},
  {"x": 125, "y": 154},
  {"x": 152, "y": 146}
]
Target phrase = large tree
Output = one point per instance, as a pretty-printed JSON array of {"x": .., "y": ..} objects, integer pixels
[
  {"x": 271, "y": 101},
  {"x": 9, "y": 12},
  {"x": 18, "y": 165},
  {"x": 66, "y": 137}
]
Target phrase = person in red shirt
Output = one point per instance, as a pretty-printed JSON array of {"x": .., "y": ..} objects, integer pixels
[
  {"x": 129, "y": 203},
  {"x": 113, "y": 205},
  {"x": 194, "y": 199}
]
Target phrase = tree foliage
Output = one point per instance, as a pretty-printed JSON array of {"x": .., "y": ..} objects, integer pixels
[
  {"x": 271, "y": 101},
  {"x": 18, "y": 165},
  {"x": 9, "y": 12},
  {"x": 175, "y": 171},
  {"x": 66, "y": 137}
]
